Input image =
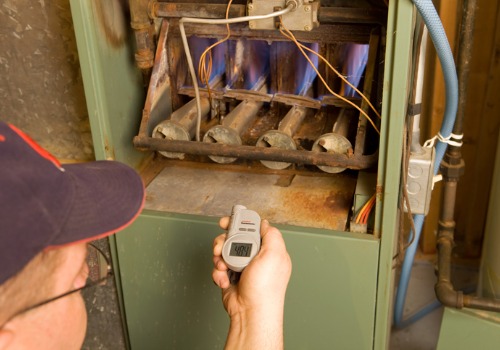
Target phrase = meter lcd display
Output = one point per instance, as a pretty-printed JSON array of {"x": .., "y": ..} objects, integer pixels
[{"x": 240, "y": 249}]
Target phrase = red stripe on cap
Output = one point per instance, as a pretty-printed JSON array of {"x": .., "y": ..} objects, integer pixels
[{"x": 36, "y": 147}]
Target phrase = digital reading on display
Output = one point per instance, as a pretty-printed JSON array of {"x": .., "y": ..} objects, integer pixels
[{"x": 241, "y": 249}]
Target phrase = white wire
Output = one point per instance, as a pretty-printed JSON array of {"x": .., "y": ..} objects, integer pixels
[
  {"x": 215, "y": 21},
  {"x": 420, "y": 78}
]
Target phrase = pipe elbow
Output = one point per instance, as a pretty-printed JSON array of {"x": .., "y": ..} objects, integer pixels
[{"x": 448, "y": 296}]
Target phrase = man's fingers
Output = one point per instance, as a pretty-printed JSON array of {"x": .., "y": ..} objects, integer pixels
[
  {"x": 218, "y": 244},
  {"x": 224, "y": 222},
  {"x": 264, "y": 227},
  {"x": 220, "y": 278},
  {"x": 219, "y": 263},
  {"x": 271, "y": 236}
]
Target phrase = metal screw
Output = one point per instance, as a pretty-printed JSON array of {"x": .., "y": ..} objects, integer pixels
[
  {"x": 307, "y": 8},
  {"x": 250, "y": 7},
  {"x": 251, "y": 25},
  {"x": 307, "y": 27}
]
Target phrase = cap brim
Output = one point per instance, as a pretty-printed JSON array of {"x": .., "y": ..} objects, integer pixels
[{"x": 108, "y": 197}]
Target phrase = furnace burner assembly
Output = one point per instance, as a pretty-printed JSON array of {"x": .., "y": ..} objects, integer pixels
[
  {"x": 274, "y": 86},
  {"x": 275, "y": 79}
]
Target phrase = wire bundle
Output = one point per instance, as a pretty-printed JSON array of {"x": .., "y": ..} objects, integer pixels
[{"x": 364, "y": 213}]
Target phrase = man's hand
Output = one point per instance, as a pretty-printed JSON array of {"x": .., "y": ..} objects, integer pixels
[{"x": 255, "y": 305}]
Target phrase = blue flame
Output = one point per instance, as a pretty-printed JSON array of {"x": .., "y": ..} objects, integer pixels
[
  {"x": 305, "y": 73},
  {"x": 219, "y": 60},
  {"x": 198, "y": 46},
  {"x": 255, "y": 62},
  {"x": 356, "y": 59}
]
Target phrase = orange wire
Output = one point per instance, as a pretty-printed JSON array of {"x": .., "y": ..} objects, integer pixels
[
  {"x": 341, "y": 76},
  {"x": 368, "y": 210},
  {"x": 290, "y": 36},
  {"x": 366, "y": 207},
  {"x": 360, "y": 213},
  {"x": 204, "y": 68}
]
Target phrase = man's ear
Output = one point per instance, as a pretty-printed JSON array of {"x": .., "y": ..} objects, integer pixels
[{"x": 6, "y": 337}]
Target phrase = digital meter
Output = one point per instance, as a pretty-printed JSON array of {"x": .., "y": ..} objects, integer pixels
[{"x": 243, "y": 238}]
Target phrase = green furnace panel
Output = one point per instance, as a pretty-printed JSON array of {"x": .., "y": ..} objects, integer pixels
[{"x": 172, "y": 303}]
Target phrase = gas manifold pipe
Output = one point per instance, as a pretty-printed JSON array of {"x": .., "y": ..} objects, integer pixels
[
  {"x": 181, "y": 126},
  {"x": 282, "y": 138},
  {"x": 336, "y": 141}
]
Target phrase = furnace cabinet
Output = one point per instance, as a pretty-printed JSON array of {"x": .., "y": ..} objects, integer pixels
[{"x": 341, "y": 289}]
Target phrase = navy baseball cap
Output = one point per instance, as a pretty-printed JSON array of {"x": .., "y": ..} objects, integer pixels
[{"x": 44, "y": 204}]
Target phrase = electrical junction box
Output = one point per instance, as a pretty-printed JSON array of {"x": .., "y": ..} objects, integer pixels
[
  {"x": 303, "y": 17},
  {"x": 419, "y": 180}
]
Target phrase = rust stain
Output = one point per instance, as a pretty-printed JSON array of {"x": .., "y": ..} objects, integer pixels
[
  {"x": 379, "y": 190},
  {"x": 338, "y": 201},
  {"x": 110, "y": 151},
  {"x": 285, "y": 180},
  {"x": 111, "y": 19},
  {"x": 318, "y": 210}
]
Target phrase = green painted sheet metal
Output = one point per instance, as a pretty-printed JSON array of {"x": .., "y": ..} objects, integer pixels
[
  {"x": 396, "y": 90},
  {"x": 113, "y": 92},
  {"x": 331, "y": 296},
  {"x": 171, "y": 302},
  {"x": 170, "y": 299},
  {"x": 113, "y": 85},
  {"x": 468, "y": 329},
  {"x": 489, "y": 277}
]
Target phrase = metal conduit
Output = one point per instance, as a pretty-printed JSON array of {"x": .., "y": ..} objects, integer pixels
[
  {"x": 144, "y": 36},
  {"x": 452, "y": 168}
]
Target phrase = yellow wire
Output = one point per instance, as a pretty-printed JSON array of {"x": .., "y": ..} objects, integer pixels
[
  {"x": 364, "y": 208},
  {"x": 204, "y": 69},
  {"x": 360, "y": 213},
  {"x": 368, "y": 210},
  {"x": 290, "y": 36}
]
